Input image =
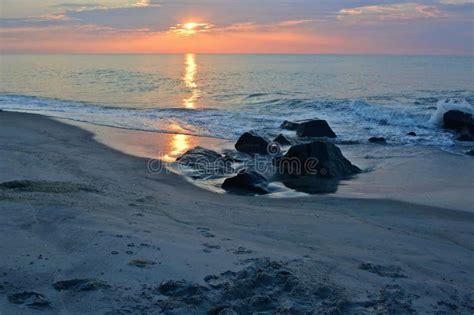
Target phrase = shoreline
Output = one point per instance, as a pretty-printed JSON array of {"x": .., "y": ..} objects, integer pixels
[
  {"x": 85, "y": 204},
  {"x": 436, "y": 178}
]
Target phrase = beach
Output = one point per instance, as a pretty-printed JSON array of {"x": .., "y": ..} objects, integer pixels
[{"x": 89, "y": 229}]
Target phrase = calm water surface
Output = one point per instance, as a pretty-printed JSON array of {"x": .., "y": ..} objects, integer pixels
[{"x": 223, "y": 95}]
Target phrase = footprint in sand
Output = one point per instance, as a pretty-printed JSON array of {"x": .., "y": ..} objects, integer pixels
[
  {"x": 30, "y": 299},
  {"x": 240, "y": 251},
  {"x": 80, "y": 285},
  {"x": 205, "y": 232},
  {"x": 43, "y": 186},
  {"x": 140, "y": 263},
  {"x": 209, "y": 247},
  {"x": 383, "y": 271}
]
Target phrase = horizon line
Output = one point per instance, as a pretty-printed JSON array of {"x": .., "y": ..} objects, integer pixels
[{"x": 237, "y": 53}]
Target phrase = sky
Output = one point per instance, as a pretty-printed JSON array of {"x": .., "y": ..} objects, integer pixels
[{"x": 434, "y": 27}]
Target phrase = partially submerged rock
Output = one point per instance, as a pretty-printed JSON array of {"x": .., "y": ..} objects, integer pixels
[
  {"x": 461, "y": 122},
  {"x": 247, "y": 182},
  {"x": 319, "y": 158},
  {"x": 315, "y": 128},
  {"x": 30, "y": 299},
  {"x": 205, "y": 161},
  {"x": 412, "y": 134},
  {"x": 282, "y": 140},
  {"x": 289, "y": 125},
  {"x": 309, "y": 128},
  {"x": 380, "y": 140},
  {"x": 252, "y": 143},
  {"x": 465, "y": 135},
  {"x": 458, "y": 120}
]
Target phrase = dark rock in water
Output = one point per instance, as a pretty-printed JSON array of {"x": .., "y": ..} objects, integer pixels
[
  {"x": 465, "y": 135},
  {"x": 206, "y": 161},
  {"x": 470, "y": 152},
  {"x": 315, "y": 128},
  {"x": 30, "y": 299},
  {"x": 282, "y": 140},
  {"x": 411, "y": 133},
  {"x": 319, "y": 158},
  {"x": 80, "y": 285},
  {"x": 378, "y": 140},
  {"x": 252, "y": 143},
  {"x": 458, "y": 120},
  {"x": 198, "y": 153},
  {"x": 289, "y": 125},
  {"x": 247, "y": 182}
]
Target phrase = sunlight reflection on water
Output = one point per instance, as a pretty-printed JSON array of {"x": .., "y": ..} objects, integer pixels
[{"x": 190, "y": 74}]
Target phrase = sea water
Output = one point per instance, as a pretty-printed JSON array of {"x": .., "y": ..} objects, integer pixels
[{"x": 223, "y": 96}]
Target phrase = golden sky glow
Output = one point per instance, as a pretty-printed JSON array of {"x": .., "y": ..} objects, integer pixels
[
  {"x": 190, "y": 28},
  {"x": 243, "y": 26}
]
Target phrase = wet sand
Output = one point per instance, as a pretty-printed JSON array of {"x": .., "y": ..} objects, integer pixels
[{"x": 88, "y": 229}]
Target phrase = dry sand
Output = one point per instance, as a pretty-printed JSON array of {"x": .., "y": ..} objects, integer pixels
[{"x": 86, "y": 229}]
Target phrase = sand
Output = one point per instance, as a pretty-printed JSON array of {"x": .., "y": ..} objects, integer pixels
[{"x": 88, "y": 229}]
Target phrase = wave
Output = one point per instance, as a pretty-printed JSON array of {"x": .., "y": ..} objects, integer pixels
[
  {"x": 446, "y": 105},
  {"x": 352, "y": 120}
]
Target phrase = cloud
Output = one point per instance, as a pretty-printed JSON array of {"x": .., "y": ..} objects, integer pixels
[
  {"x": 456, "y": 2},
  {"x": 295, "y": 22},
  {"x": 188, "y": 29},
  {"x": 390, "y": 12},
  {"x": 78, "y": 7}
]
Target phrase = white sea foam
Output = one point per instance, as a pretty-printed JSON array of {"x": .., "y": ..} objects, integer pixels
[
  {"x": 355, "y": 120},
  {"x": 447, "y": 105}
]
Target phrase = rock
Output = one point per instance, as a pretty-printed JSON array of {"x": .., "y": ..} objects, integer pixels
[
  {"x": 198, "y": 153},
  {"x": 411, "y": 133},
  {"x": 282, "y": 140},
  {"x": 470, "y": 152},
  {"x": 289, "y": 125},
  {"x": 248, "y": 182},
  {"x": 320, "y": 158},
  {"x": 458, "y": 120},
  {"x": 252, "y": 143},
  {"x": 465, "y": 135},
  {"x": 30, "y": 299},
  {"x": 315, "y": 128},
  {"x": 378, "y": 140},
  {"x": 80, "y": 285},
  {"x": 205, "y": 161}
]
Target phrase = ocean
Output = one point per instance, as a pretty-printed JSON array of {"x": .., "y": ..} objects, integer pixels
[{"x": 223, "y": 96}]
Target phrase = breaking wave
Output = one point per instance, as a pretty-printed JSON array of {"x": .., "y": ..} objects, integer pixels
[{"x": 352, "y": 120}]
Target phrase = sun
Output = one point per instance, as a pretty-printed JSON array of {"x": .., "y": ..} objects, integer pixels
[{"x": 190, "y": 28}]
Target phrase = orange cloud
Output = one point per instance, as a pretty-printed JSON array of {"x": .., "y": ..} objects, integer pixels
[
  {"x": 190, "y": 28},
  {"x": 390, "y": 12}
]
